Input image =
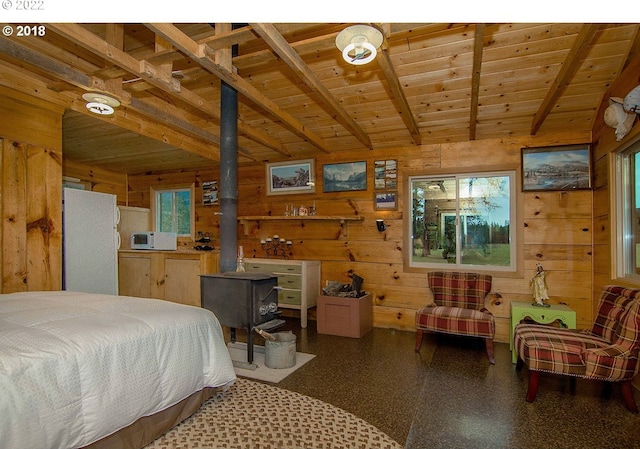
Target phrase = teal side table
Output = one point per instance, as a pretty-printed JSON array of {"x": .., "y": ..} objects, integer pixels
[{"x": 542, "y": 315}]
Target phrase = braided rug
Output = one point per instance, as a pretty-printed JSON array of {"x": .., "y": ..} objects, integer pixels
[{"x": 254, "y": 415}]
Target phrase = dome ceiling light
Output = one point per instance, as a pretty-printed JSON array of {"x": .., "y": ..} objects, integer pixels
[
  {"x": 359, "y": 43},
  {"x": 100, "y": 103}
]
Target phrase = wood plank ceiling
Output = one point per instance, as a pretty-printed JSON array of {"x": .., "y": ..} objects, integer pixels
[{"x": 430, "y": 83}]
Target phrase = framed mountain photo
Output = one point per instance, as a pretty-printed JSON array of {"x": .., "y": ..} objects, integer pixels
[
  {"x": 566, "y": 167},
  {"x": 344, "y": 177}
]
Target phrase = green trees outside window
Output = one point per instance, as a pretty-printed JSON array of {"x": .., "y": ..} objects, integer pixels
[
  {"x": 464, "y": 220},
  {"x": 173, "y": 211}
]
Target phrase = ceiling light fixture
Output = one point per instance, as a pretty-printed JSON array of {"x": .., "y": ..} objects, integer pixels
[
  {"x": 100, "y": 108},
  {"x": 100, "y": 103},
  {"x": 359, "y": 43}
]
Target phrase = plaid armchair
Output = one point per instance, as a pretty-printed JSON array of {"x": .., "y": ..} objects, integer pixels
[
  {"x": 608, "y": 351},
  {"x": 458, "y": 309}
]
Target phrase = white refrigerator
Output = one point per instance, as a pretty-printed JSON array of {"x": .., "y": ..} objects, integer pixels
[{"x": 90, "y": 241}]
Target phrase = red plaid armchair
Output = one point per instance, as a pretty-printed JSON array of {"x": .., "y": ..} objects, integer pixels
[
  {"x": 608, "y": 351},
  {"x": 458, "y": 309}
]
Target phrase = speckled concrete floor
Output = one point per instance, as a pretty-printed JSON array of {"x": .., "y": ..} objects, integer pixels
[
  {"x": 470, "y": 404},
  {"x": 448, "y": 396}
]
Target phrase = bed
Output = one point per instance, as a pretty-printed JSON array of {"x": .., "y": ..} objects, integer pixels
[{"x": 91, "y": 370}]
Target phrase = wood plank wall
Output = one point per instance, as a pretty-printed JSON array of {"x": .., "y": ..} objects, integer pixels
[
  {"x": 604, "y": 150},
  {"x": 554, "y": 228},
  {"x": 604, "y": 216},
  {"x": 31, "y": 179},
  {"x": 98, "y": 180}
]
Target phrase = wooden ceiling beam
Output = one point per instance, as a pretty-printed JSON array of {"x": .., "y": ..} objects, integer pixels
[
  {"x": 144, "y": 69},
  {"x": 310, "y": 45},
  {"x": 228, "y": 39},
  {"x": 390, "y": 74},
  {"x": 204, "y": 55},
  {"x": 570, "y": 66},
  {"x": 153, "y": 75},
  {"x": 223, "y": 55},
  {"x": 164, "y": 57},
  {"x": 115, "y": 36},
  {"x": 478, "y": 49},
  {"x": 282, "y": 48}
]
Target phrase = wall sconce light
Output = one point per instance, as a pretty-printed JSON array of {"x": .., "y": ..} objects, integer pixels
[
  {"x": 380, "y": 225},
  {"x": 359, "y": 43},
  {"x": 99, "y": 103}
]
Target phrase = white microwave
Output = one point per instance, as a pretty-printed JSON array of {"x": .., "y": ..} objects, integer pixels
[{"x": 154, "y": 240}]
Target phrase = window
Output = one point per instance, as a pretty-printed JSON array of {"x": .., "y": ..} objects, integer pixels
[
  {"x": 628, "y": 213},
  {"x": 173, "y": 210},
  {"x": 463, "y": 220}
]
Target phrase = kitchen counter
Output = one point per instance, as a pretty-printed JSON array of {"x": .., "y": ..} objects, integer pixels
[{"x": 170, "y": 275}]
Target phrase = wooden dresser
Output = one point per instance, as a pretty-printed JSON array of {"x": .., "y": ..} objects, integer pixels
[{"x": 299, "y": 279}]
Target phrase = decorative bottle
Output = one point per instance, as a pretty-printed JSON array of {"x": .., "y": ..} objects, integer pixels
[{"x": 240, "y": 260}]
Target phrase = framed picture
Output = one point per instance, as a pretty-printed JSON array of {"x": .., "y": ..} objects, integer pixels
[
  {"x": 566, "y": 167},
  {"x": 209, "y": 193},
  {"x": 285, "y": 178},
  {"x": 385, "y": 201},
  {"x": 344, "y": 177},
  {"x": 385, "y": 174}
]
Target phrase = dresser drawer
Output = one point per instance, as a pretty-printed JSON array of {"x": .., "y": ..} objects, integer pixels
[
  {"x": 254, "y": 267},
  {"x": 273, "y": 267},
  {"x": 292, "y": 297},
  {"x": 290, "y": 281}
]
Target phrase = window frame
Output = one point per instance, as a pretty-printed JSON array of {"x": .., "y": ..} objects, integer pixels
[
  {"x": 624, "y": 195},
  {"x": 515, "y": 213},
  {"x": 192, "y": 206}
]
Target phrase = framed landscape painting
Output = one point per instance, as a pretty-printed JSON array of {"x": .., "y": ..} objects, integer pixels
[
  {"x": 385, "y": 201},
  {"x": 566, "y": 167},
  {"x": 290, "y": 177},
  {"x": 344, "y": 177}
]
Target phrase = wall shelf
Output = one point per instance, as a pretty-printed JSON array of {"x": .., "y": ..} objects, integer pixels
[{"x": 244, "y": 220}]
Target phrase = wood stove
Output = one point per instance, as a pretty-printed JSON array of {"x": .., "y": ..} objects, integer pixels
[{"x": 242, "y": 300}]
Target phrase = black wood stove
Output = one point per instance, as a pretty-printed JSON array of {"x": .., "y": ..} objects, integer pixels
[{"x": 242, "y": 300}]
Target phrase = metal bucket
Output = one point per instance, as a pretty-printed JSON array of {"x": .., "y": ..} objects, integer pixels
[{"x": 280, "y": 353}]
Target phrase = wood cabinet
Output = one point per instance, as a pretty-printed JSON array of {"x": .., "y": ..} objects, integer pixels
[
  {"x": 299, "y": 280},
  {"x": 173, "y": 276},
  {"x": 134, "y": 274}
]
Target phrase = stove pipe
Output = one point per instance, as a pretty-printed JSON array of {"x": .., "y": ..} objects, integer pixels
[{"x": 228, "y": 177}]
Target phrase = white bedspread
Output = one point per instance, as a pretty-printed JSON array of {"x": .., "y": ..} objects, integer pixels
[{"x": 76, "y": 367}]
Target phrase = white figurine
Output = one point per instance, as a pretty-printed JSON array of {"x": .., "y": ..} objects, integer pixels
[{"x": 538, "y": 286}]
